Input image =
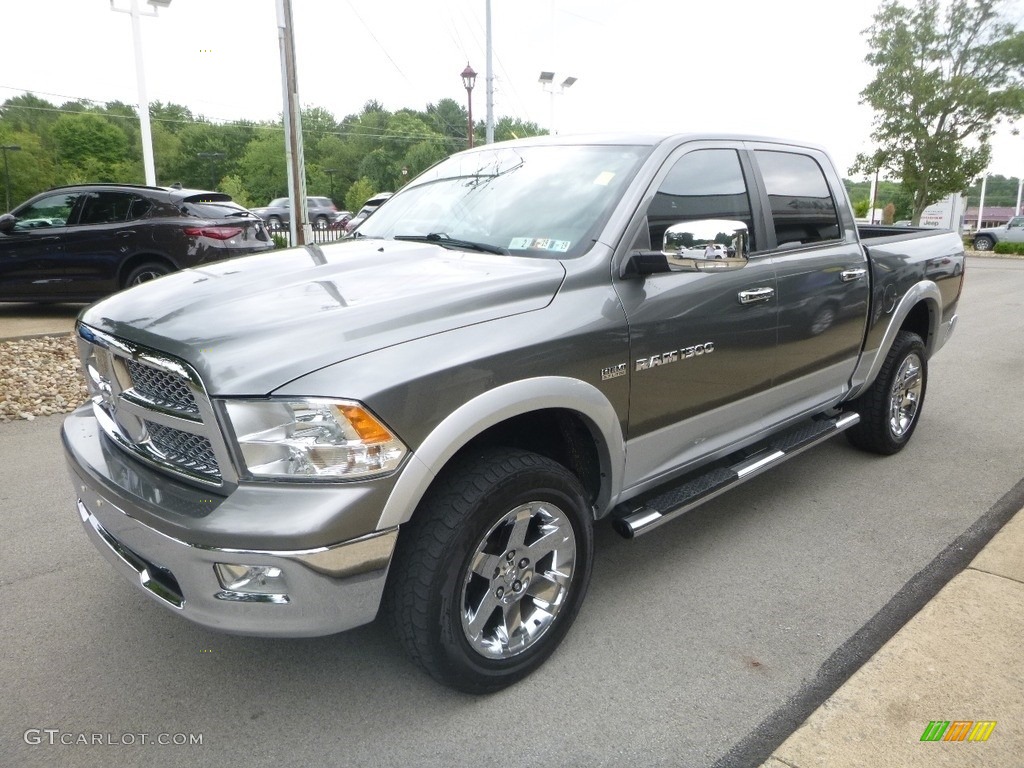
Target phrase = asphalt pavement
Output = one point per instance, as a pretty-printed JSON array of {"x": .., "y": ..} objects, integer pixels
[{"x": 947, "y": 689}]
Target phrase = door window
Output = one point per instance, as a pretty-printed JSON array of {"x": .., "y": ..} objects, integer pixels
[
  {"x": 708, "y": 186},
  {"x": 50, "y": 211},
  {"x": 105, "y": 208},
  {"x": 803, "y": 210}
]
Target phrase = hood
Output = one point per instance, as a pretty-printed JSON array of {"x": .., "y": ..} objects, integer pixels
[{"x": 251, "y": 324}]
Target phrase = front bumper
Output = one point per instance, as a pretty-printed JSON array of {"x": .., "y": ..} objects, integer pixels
[{"x": 326, "y": 589}]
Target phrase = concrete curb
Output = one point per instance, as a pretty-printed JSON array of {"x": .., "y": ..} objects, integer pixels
[{"x": 956, "y": 660}]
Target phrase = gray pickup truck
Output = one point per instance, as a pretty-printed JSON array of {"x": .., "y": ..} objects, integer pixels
[{"x": 427, "y": 419}]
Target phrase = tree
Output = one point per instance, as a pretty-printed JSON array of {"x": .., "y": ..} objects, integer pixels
[
  {"x": 89, "y": 147},
  {"x": 30, "y": 168},
  {"x": 360, "y": 191},
  {"x": 263, "y": 168},
  {"x": 942, "y": 84}
]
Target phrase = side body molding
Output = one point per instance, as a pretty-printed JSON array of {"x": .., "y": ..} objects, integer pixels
[
  {"x": 871, "y": 361},
  {"x": 495, "y": 406}
]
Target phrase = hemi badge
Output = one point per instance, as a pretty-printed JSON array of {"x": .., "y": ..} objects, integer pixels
[{"x": 613, "y": 372}]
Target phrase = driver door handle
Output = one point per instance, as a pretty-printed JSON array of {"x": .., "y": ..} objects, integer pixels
[{"x": 754, "y": 295}]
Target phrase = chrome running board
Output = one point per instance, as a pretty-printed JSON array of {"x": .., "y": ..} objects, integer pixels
[{"x": 694, "y": 491}]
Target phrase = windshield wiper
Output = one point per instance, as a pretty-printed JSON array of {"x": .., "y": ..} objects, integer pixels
[{"x": 440, "y": 238}]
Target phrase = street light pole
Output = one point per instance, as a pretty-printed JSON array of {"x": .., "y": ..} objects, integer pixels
[
  {"x": 330, "y": 172},
  {"x": 469, "y": 80},
  {"x": 146, "y": 131},
  {"x": 7, "y": 173},
  {"x": 547, "y": 82}
]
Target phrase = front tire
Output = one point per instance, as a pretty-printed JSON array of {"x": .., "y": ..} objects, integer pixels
[
  {"x": 491, "y": 571},
  {"x": 890, "y": 409}
]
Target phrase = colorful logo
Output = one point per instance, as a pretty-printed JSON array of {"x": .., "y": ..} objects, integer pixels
[{"x": 958, "y": 730}]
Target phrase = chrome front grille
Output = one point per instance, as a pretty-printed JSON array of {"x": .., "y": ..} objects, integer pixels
[
  {"x": 155, "y": 407},
  {"x": 184, "y": 449},
  {"x": 161, "y": 387}
]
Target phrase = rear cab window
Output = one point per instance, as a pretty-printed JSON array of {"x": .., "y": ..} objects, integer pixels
[{"x": 803, "y": 210}]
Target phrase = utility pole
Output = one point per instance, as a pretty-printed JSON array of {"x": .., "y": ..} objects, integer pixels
[
  {"x": 490, "y": 81},
  {"x": 299, "y": 228}
]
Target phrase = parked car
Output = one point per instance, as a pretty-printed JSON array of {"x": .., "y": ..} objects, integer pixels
[
  {"x": 82, "y": 242},
  {"x": 369, "y": 207},
  {"x": 341, "y": 218},
  {"x": 277, "y": 213},
  {"x": 1011, "y": 232}
]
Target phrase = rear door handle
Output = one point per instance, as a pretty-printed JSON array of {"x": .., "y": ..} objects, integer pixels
[
  {"x": 754, "y": 295},
  {"x": 849, "y": 275}
]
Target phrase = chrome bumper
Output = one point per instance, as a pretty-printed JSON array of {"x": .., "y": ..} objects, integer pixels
[{"x": 323, "y": 590}]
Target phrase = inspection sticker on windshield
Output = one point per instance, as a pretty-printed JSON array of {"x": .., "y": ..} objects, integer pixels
[
  {"x": 538, "y": 244},
  {"x": 604, "y": 178}
]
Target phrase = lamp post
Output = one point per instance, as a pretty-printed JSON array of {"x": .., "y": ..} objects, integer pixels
[
  {"x": 213, "y": 157},
  {"x": 469, "y": 80},
  {"x": 547, "y": 82},
  {"x": 147, "y": 134},
  {"x": 7, "y": 173},
  {"x": 330, "y": 173}
]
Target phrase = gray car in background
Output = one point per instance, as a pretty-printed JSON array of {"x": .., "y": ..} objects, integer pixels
[{"x": 277, "y": 213}]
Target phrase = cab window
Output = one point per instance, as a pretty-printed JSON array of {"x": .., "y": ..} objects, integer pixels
[{"x": 802, "y": 207}]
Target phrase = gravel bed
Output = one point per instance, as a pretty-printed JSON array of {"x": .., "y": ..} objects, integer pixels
[{"x": 39, "y": 377}]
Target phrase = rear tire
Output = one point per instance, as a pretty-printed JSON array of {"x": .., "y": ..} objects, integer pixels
[
  {"x": 491, "y": 571},
  {"x": 890, "y": 409},
  {"x": 145, "y": 272},
  {"x": 984, "y": 243}
]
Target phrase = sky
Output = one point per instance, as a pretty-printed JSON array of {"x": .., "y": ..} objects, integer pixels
[{"x": 786, "y": 68}]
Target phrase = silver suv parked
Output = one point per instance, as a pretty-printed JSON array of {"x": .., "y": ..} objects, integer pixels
[{"x": 277, "y": 213}]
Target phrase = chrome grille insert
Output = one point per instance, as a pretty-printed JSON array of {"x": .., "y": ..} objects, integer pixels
[
  {"x": 156, "y": 408},
  {"x": 161, "y": 387},
  {"x": 194, "y": 452}
]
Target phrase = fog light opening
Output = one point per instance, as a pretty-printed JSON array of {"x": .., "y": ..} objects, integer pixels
[{"x": 251, "y": 583}]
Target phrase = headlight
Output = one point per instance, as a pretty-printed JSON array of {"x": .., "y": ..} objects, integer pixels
[{"x": 331, "y": 439}]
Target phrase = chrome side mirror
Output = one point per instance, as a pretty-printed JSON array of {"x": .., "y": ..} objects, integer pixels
[{"x": 707, "y": 240}]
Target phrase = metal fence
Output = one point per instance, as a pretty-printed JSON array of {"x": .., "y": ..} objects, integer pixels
[{"x": 283, "y": 237}]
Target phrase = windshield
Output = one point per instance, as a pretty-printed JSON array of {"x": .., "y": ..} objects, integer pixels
[{"x": 547, "y": 201}]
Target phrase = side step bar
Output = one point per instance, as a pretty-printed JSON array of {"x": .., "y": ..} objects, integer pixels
[{"x": 695, "y": 491}]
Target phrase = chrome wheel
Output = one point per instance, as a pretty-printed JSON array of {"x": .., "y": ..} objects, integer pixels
[
  {"x": 144, "y": 273},
  {"x": 518, "y": 580},
  {"x": 983, "y": 243},
  {"x": 891, "y": 407},
  {"x": 144, "y": 276},
  {"x": 905, "y": 396}
]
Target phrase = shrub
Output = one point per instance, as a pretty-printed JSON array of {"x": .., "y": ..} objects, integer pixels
[{"x": 1016, "y": 249}]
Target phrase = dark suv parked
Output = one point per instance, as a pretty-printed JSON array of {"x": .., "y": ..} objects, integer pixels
[{"x": 82, "y": 242}]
